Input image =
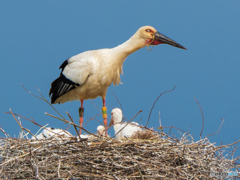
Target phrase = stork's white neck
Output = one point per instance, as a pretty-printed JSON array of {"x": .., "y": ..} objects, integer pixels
[
  {"x": 116, "y": 127},
  {"x": 130, "y": 46},
  {"x": 116, "y": 56}
]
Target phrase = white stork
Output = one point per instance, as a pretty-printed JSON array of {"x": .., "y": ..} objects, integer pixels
[
  {"x": 89, "y": 74},
  {"x": 125, "y": 129}
]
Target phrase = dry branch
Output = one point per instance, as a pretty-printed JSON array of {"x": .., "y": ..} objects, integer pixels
[
  {"x": 202, "y": 117},
  {"x": 156, "y": 102}
]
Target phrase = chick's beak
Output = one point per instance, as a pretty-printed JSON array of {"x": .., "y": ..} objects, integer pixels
[
  {"x": 111, "y": 122},
  {"x": 162, "y": 39}
]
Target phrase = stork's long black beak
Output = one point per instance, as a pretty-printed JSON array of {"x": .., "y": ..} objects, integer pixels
[{"x": 165, "y": 40}]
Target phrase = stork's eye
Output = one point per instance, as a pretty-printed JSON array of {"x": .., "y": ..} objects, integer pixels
[{"x": 148, "y": 30}]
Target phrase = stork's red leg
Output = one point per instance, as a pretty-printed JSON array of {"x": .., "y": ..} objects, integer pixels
[
  {"x": 104, "y": 114},
  {"x": 81, "y": 111}
]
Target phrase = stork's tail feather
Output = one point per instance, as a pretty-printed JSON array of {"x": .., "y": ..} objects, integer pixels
[{"x": 61, "y": 86}]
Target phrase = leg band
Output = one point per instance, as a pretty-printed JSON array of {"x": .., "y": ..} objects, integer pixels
[
  {"x": 104, "y": 112},
  {"x": 81, "y": 112}
]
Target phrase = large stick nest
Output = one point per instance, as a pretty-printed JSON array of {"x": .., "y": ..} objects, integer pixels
[{"x": 147, "y": 155}]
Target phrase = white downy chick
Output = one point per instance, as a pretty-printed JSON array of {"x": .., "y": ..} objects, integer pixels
[
  {"x": 116, "y": 120},
  {"x": 50, "y": 132}
]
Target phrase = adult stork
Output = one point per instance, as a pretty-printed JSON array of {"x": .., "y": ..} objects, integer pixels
[{"x": 89, "y": 74}]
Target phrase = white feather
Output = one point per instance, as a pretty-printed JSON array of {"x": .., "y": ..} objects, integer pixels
[
  {"x": 127, "y": 131},
  {"x": 57, "y": 134},
  {"x": 96, "y": 70},
  {"x": 101, "y": 130}
]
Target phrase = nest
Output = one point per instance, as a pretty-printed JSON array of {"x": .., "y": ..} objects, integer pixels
[{"x": 146, "y": 155}]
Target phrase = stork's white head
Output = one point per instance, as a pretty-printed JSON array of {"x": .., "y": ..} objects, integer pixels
[
  {"x": 146, "y": 33},
  {"x": 153, "y": 37},
  {"x": 116, "y": 116},
  {"x": 101, "y": 130}
]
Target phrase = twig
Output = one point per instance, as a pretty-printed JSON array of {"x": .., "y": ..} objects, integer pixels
[
  {"x": 223, "y": 146},
  {"x": 155, "y": 103},
  {"x": 23, "y": 129},
  {"x": 218, "y": 129},
  {"x": 66, "y": 121},
  {"x": 16, "y": 119},
  {"x": 116, "y": 98},
  {"x": 43, "y": 99},
  {"x": 160, "y": 121},
  {"x": 31, "y": 120},
  {"x": 59, "y": 166},
  {"x": 173, "y": 127},
  {"x": 96, "y": 106},
  {"x": 73, "y": 125},
  {"x": 202, "y": 116},
  {"x": 139, "y": 170},
  {"x": 15, "y": 158},
  {"x": 140, "y": 120},
  {"x": 32, "y": 93},
  {"x": 92, "y": 118},
  {"x": 7, "y": 135}
]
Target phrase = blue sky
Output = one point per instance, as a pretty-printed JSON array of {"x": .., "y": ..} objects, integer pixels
[{"x": 37, "y": 36}]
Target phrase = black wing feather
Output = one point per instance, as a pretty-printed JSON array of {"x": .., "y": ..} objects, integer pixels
[
  {"x": 64, "y": 64},
  {"x": 61, "y": 85}
]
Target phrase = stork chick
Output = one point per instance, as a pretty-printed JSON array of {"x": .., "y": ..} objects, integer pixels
[
  {"x": 50, "y": 132},
  {"x": 89, "y": 74},
  {"x": 101, "y": 130},
  {"x": 122, "y": 129}
]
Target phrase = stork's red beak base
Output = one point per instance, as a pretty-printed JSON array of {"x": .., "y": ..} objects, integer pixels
[{"x": 162, "y": 39}]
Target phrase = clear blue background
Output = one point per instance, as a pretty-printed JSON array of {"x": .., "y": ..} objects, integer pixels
[{"x": 37, "y": 36}]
